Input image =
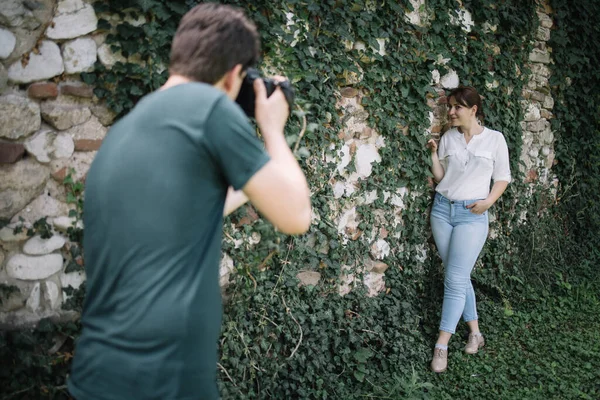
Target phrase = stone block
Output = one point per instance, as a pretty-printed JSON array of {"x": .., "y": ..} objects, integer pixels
[
  {"x": 42, "y": 90},
  {"x": 543, "y": 34},
  {"x": 52, "y": 295},
  {"x": 349, "y": 92},
  {"x": 226, "y": 268},
  {"x": 92, "y": 129},
  {"x": 21, "y": 182},
  {"x": 34, "y": 300},
  {"x": 532, "y": 113},
  {"x": 39, "y": 146},
  {"x": 105, "y": 116},
  {"x": 19, "y": 116},
  {"x": 44, "y": 64},
  {"x": 79, "y": 55},
  {"x": 63, "y": 146},
  {"x": 308, "y": 278},
  {"x": 380, "y": 249},
  {"x": 108, "y": 57},
  {"x": 65, "y": 112},
  {"x": 87, "y": 144},
  {"x": 72, "y": 279},
  {"x": 36, "y": 246},
  {"x": 60, "y": 174},
  {"x": 80, "y": 162},
  {"x": 77, "y": 90},
  {"x": 7, "y": 43},
  {"x": 539, "y": 56},
  {"x": 47, "y": 145},
  {"x": 10, "y": 153},
  {"x": 30, "y": 268},
  {"x": 3, "y": 78},
  {"x": 8, "y": 235},
  {"x": 536, "y": 126},
  {"x": 42, "y": 206},
  {"x": 73, "y": 18}
]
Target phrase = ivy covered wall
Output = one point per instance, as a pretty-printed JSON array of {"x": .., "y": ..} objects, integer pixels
[{"x": 325, "y": 314}]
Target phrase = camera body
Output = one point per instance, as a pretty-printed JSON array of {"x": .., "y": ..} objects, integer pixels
[{"x": 246, "y": 98}]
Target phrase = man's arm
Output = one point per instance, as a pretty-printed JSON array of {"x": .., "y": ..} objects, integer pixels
[
  {"x": 279, "y": 189},
  {"x": 234, "y": 200}
]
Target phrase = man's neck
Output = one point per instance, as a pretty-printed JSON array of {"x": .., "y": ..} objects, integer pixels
[{"x": 175, "y": 80}]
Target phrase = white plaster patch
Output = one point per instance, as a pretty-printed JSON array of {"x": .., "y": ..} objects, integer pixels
[
  {"x": 338, "y": 189},
  {"x": 450, "y": 80},
  {"x": 366, "y": 154},
  {"x": 462, "y": 18},
  {"x": 416, "y": 17},
  {"x": 370, "y": 197},
  {"x": 226, "y": 267},
  {"x": 72, "y": 279},
  {"x": 435, "y": 77},
  {"x": 380, "y": 249},
  {"x": 348, "y": 220},
  {"x": 374, "y": 282},
  {"x": 344, "y": 154}
]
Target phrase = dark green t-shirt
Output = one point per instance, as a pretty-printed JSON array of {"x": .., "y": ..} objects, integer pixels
[{"x": 153, "y": 217}]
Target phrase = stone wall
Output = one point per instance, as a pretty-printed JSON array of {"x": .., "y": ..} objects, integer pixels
[
  {"x": 361, "y": 145},
  {"x": 51, "y": 125}
]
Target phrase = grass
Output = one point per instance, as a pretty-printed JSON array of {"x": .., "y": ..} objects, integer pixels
[{"x": 548, "y": 349}]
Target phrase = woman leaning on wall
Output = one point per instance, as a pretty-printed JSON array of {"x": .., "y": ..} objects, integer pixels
[{"x": 468, "y": 158}]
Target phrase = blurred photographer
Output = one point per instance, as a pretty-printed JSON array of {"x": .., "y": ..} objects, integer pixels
[{"x": 155, "y": 198}]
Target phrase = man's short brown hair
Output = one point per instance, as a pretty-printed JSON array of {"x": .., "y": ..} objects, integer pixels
[{"x": 212, "y": 39}]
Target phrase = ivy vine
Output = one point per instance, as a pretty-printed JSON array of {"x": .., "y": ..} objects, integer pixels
[{"x": 281, "y": 340}]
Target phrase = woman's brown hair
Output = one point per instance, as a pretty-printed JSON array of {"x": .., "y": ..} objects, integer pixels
[{"x": 467, "y": 96}]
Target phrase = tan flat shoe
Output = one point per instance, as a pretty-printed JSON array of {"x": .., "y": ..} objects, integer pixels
[
  {"x": 440, "y": 360},
  {"x": 474, "y": 343}
]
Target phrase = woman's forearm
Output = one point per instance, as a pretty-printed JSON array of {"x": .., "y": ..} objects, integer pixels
[
  {"x": 497, "y": 190},
  {"x": 436, "y": 168}
]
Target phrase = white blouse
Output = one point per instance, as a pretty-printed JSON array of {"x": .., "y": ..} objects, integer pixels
[{"x": 469, "y": 168}]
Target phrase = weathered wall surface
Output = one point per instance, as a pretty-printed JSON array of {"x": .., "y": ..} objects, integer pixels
[{"x": 51, "y": 126}]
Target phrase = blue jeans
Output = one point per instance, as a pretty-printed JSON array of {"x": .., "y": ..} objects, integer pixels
[{"x": 459, "y": 236}]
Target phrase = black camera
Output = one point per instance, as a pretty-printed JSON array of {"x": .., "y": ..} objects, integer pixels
[{"x": 246, "y": 97}]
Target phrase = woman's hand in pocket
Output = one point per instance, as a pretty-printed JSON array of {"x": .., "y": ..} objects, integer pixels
[{"x": 479, "y": 207}]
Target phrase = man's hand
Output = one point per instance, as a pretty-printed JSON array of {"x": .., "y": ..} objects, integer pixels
[{"x": 271, "y": 112}]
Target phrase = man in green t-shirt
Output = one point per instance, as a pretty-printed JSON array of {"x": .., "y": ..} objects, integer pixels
[{"x": 155, "y": 198}]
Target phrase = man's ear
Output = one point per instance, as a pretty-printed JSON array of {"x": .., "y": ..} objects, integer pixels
[{"x": 231, "y": 77}]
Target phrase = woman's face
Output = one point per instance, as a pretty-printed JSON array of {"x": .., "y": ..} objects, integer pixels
[{"x": 460, "y": 115}]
